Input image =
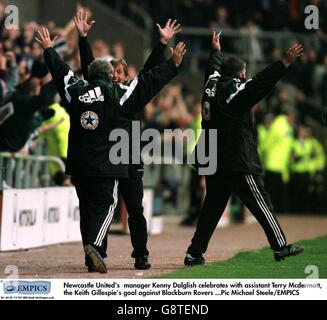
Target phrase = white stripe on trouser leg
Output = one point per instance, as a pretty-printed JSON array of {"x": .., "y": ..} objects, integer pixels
[
  {"x": 281, "y": 237},
  {"x": 276, "y": 229},
  {"x": 264, "y": 209},
  {"x": 109, "y": 217},
  {"x": 261, "y": 205}
]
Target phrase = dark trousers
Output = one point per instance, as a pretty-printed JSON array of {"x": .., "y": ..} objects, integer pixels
[
  {"x": 194, "y": 209},
  {"x": 131, "y": 190},
  {"x": 249, "y": 188},
  {"x": 97, "y": 203},
  {"x": 195, "y": 205}
]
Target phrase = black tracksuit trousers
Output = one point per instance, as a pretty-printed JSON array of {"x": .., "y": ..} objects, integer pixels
[
  {"x": 250, "y": 189},
  {"x": 131, "y": 190},
  {"x": 97, "y": 202}
]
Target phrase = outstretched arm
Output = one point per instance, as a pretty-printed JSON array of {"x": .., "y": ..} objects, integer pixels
[
  {"x": 250, "y": 93},
  {"x": 157, "y": 55},
  {"x": 83, "y": 27},
  {"x": 146, "y": 85},
  {"x": 62, "y": 75}
]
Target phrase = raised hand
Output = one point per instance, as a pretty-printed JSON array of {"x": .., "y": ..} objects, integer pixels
[
  {"x": 178, "y": 53},
  {"x": 215, "y": 41},
  {"x": 170, "y": 29},
  {"x": 43, "y": 38},
  {"x": 294, "y": 52},
  {"x": 81, "y": 23}
]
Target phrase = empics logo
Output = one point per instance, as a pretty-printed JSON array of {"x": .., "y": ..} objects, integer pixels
[
  {"x": 26, "y": 287},
  {"x": 92, "y": 96}
]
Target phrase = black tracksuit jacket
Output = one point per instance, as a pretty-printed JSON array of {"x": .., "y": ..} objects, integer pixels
[
  {"x": 227, "y": 106},
  {"x": 98, "y": 107},
  {"x": 156, "y": 58}
]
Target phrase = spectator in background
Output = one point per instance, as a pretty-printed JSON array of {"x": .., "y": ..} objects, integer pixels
[
  {"x": 251, "y": 44},
  {"x": 276, "y": 53},
  {"x": 118, "y": 50},
  {"x": 317, "y": 171},
  {"x": 220, "y": 20},
  {"x": 277, "y": 158},
  {"x": 57, "y": 139},
  {"x": 8, "y": 73},
  {"x": 36, "y": 52},
  {"x": 302, "y": 75},
  {"x": 262, "y": 131},
  {"x": 101, "y": 49},
  {"x": 285, "y": 96},
  {"x": 10, "y": 37},
  {"x": 31, "y": 146},
  {"x": 27, "y": 38},
  {"x": 28, "y": 99},
  {"x": 301, "y": 150},
  {"x": 196, "y": 182},
  {"x": 308, "y": 69}
]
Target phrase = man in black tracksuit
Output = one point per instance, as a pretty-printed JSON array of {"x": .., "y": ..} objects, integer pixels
[
  {"x": 226, "y": 107},
  {"x": 131, "y": 188},
  {"x": 97, "y": 108}
]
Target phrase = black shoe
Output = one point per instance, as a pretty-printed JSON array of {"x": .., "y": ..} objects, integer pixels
[
  {"x": 95, "y": 260},
  {"x": 89, "y": 264},
  {"x": 191, "y": 261},
  {"x": 287, "y": 251},
  {"x": 142, "y": 263}
]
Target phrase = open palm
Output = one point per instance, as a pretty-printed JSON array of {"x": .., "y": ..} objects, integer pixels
[
  {"x": 81, "y": 23},
  {"x": 170, "y": 29},
  {"x": 44, "y": 39}
]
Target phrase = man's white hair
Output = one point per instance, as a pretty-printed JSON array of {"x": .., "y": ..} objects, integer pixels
[{"x": 101, "y": 68}]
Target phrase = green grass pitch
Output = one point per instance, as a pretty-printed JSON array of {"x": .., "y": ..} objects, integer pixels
[{"x": 260, "y": 264}]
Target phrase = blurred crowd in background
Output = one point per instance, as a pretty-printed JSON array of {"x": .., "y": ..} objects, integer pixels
[
  {"x": 278, "y": 15},
  {"x": 291, "y": 135}
]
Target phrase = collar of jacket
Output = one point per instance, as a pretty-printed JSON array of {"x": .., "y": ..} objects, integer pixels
[{"x": 100, "y": 82}]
